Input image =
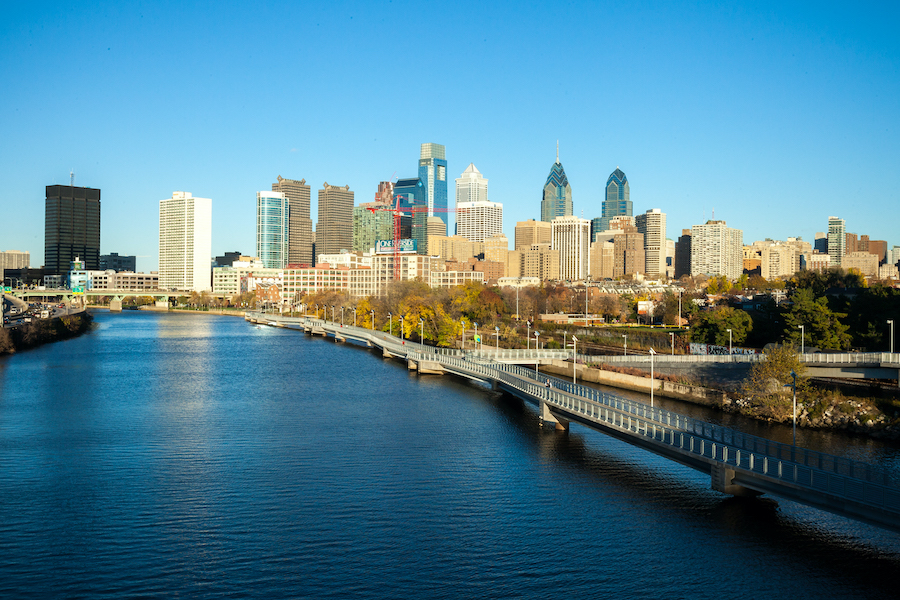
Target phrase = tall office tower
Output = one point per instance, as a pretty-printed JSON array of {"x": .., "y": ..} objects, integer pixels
[
  {"x": 471, "y": 186},
  {"x": 683, "y": 254},
  {"x": 557, "y": 198},
  {"x": 821, "y": 243},
  {"x": 479, "y": 220},
  {"x": 273, "y": 222},
  {"x": 185, "y": 243},
  {"x": 532, "y": 232},
  {"x": 717, "y": 250},
  {"x": 334, "y": 231},
  {"x": 602, "y": 260},
  {"x": 653, "y": 225},
  {"x": 572, "y": 238},
  {"x": 71, "y": 228},
  {"x": 413, "y": 196},
  {"x": 618, "y": 198},
  {"x": 433, "y": 173},
  {"x": 629, "y": 257},
  {"x": 300, "y": 225},
  {"x": 496, "y": 249},
  {"x": 14, "y": 259},
  {"x": 837, "y": 240},
  {"x": 370, "y": 224}
]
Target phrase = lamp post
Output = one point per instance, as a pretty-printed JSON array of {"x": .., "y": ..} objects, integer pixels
[
  {"x": 401, "y": 327},
  {"x": 891, "y": 323},
  {"x": 794, "y": 375},
  {"x": 373, "y": 319},
  {"x": 422, "y": 331},
  {"x": 652, "y": 354},
  {"x": 574, "y": 356},
  {"x": 463, "y": 323},
  {"x": 528, "y": 335},
  {"x": 729, "y": 342},
  {"x": 391, "y": 321},
  {"x": 536, "y": 359},
  {"x": 475, "y": 338},
  {"x": 802, "y": 339},
  {"x": 672, "y": 334},
  {"x": 354, "y": 316},
  {"x": 317, "y": 311},
  {"x": 625, "y": 347},
  {"x": 342, "y": 316},
  {"x": 497, "y": 333},
  {"x": 332, "y": 313},
  {"x": 679, "y": 308}
]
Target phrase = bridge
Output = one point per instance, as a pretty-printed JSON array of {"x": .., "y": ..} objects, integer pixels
[
  {"x": 737, "y": 463},
  {"x": 116, "y": 296}
]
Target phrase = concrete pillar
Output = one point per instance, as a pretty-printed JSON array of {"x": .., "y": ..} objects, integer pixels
[
  {"x": 162, "y": 304},
  {"x": 115, "y": 305},
  {"x": 722, "y": 478},
  {"x": 548, "y": 417}
]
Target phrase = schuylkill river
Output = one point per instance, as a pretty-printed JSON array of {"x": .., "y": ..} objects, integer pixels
[{"x": 200, "y": 456}]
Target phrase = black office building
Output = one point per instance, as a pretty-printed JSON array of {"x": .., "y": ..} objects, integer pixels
[
  {"x": 119, "y": 264},
  {"x": 71, "y": 228}
]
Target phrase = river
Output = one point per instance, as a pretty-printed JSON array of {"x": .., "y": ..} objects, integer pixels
[{"x": 167, "y": 455}]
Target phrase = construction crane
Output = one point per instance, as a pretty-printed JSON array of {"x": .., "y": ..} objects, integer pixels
[{"x": 383, "y": 204}]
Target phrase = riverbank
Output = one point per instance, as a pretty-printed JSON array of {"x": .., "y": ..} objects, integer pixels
[{"x": 44, "y": 331}]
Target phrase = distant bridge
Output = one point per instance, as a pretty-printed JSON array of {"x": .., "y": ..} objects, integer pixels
[{"x": 738, "y": 463}]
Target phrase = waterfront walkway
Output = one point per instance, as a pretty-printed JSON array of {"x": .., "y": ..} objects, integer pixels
[{"x": 738, "y": 464}]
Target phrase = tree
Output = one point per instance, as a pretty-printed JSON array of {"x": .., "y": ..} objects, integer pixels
[
  {"x": 711, "y": 326},
  {"x": 822, "y": 328},
  {"x": 766, "y": 384}
]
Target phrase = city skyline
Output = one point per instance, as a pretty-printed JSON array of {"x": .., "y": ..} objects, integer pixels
[{"x": 751, "y": 121}]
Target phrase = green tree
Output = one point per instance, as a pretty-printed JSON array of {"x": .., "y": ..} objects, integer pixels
[
  {"x": 822, "y": 328},
  {"x": 711, "y": 326},
  {"x": 765, "y": 386}
]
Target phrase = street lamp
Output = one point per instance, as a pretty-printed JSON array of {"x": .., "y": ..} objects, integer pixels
[
  {"x": 342, "y": 316},
  {"x": 672, "y": 334},
  {"x": 401, "y": 327},
  {"x": 497, "y": 333},
  {"x": 475, "y": 339},
  {"x": 536, "y": 359},
  {"x": 373, "y": 319},
  {"x": 794, "y": 375},
  {"x": 652, "y": 354},
  {"x": 391, "y": 321},
  {"x": 679, "y": 308},
  {"x": 332, "y": 313},
  {"x": 422, "y": 330},
  {"x": 729, "y": 342},
  {"x": 625, "y": 347},
  {"x": 528, "y": 335},
  {"x": 463, "y": 323},
  {"x": 354, "y": 316},
  {"x": 317, "y": 311},
  {"x": 574, "y": 356},
  {"x": 803, "y": 339},
  {"x": 891, "y": 323}
]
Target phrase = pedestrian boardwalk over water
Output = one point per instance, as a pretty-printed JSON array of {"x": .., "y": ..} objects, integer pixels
[{"x": 738, "y": 463}]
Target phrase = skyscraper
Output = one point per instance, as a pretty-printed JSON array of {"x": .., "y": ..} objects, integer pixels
[
  {"x": 414, "y": 225},
  {"x": 300, "y": 225},
  {"x": 717, "y": 250},
  {"x": 71, "y": 228},
  {"x": 433, "y": 173},
  {"x": 371, "y": 223},
  {"x": 476, "y": 217},
  {"x": 653, "y": 225},
  {"x": 618, "y": 200},
  {"x": 532, "y": 232},
  {"x": 572, "y": 238},
  {"x": 837, "y": 240},
  {"x": 272, "y": 229},
  {"x": 185, "y": 243},
  {"x": 471, "y": 186},
  {"x": 334, "y": 231},
  {"x": 557, "y": 198}
]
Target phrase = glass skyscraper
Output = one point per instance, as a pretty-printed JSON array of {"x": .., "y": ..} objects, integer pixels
[
  {"x": 71, "y": 228},
  {"x": 618, "y": 200},
  {"x": 272, "y": 229},
  {"x": 414, "y": 194},
  {"x": 557, "y": 198},
  {"x": 433, "y": 173}
]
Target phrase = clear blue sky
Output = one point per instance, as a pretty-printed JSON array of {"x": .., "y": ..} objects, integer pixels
[{"x": 775, "y": 115}]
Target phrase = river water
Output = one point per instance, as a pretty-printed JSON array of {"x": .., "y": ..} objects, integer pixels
[{"x": 200, "y": 456}]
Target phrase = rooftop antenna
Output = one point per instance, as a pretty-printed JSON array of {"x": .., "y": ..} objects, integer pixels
[
  {"x": 72, "y": 178},
  {"x": 557, "y": 151},
  {"x": 713, "y": 214}
]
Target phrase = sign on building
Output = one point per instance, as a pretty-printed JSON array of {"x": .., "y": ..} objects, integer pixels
[{"x": 387, "y": 246}]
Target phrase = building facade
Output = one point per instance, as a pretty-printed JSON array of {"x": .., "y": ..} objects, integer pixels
[
  {"x": 572, "y": 239},
  {"x": 114, "y": 262},
  {"x": 618, "y": 199},
  {"x": 837, "y": 240},
  {"x": 652, "y": 225},
  {"x": 300, "y": 225},
  {"x": 557, "y": 197},
  {"x": 272, "y": 229},
  {"x": 433, "y": 173},
  {"x": 479, "y": 220},
  {"x": 629, "y": 258},
  {"x": 71, "y": 228},
  {"x": 717, "y": 249},
  {"x": 532, "y": 232},
  {"x": 185, "y": 243},
  {"x": 334, "y": 231},
  {"x": 370, "y": 224}
]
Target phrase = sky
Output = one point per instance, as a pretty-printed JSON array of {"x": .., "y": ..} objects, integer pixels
[{"x": 770, "y": 116}]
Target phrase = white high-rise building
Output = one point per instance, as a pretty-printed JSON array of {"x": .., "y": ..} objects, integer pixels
[
  {"x": 476, "y": 217},
  {"x": 717, "y": 250},
  {"x": 653, "y": 225},
  {"x": 837, "y": 240},
  {"x": 572, "y": 238},
  {"x": 185, "y": 243},
  {"x": 272, "y": 229}
]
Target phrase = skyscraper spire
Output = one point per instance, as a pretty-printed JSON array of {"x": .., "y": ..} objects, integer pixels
[{"x": 557, "y": 151}]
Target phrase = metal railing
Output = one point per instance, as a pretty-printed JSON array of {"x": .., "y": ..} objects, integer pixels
[{"x": 826, "y": 473}]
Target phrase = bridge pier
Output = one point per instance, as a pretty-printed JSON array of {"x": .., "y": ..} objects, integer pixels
[
  {"x": 548, "y": 417},
  {"x": 115, "y": 305},
  {"x": 722, "y": 481}
]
